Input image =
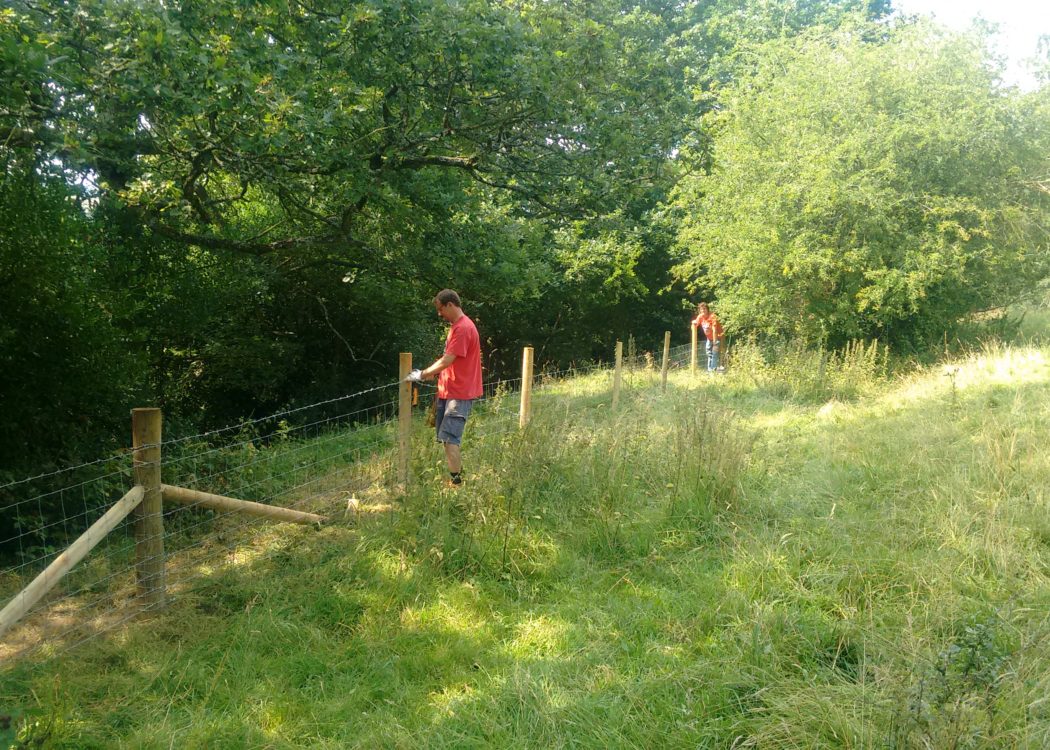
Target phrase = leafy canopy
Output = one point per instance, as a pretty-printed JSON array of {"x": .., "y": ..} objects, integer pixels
[{"x": 868, "y": 189}]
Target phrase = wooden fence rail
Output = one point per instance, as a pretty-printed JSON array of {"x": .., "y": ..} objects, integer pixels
[
  {"x": 77, "y": 551},
  {"x": 224, "y": 504}
]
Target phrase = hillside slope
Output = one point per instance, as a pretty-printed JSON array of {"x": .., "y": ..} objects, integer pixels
[{"x": 723, "y": 565}]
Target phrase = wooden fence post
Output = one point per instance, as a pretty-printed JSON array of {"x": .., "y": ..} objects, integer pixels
[
  {"x": 526, "y": 387},
  {"x": 692, "y": 354},
  {"x": 667, "y": 360},
  {"x": 617, "y": 374},
  {"x": 404, "y": 419},
  {"x": 149, "y": 515}
]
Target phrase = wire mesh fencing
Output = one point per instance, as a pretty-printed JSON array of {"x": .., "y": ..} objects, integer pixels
[
  {"x": 680, "y": 356},
  {"x": 322, "y": 458},
  {"x": 304, "y": 458},
  {"x": 42, "y": 516}
]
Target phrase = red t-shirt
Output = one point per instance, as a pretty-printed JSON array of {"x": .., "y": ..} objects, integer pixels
[
  {"x": 462, "y": 379},
  {"x": 710, "y": 325}
]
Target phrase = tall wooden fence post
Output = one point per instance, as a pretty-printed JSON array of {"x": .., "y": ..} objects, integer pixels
[
  {"x": 526, "y": 388},
  {"x": 692, "y": 352},
  {"x": 667, "y": 360},
  {"x": 404, "y": 419},
  {"x": 617, "y": 373},
  {"x": 149, "y": 515}
]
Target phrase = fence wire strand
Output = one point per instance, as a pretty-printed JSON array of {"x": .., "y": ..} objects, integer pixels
[{"x": 287, "y": 412}]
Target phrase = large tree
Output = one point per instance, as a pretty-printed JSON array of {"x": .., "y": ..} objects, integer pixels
[
  {"x": 325, "y": 127},
  {"x": 273, "y": 190},
  {"x": 869, "y": 188}
]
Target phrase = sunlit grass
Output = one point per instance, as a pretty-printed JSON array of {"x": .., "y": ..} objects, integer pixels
[{"x": 737, "y": 562}]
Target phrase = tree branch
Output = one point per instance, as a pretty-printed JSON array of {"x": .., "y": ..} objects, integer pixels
[
  {"x": 212, "y": 242},
  {"x": 468, "y": 163}
]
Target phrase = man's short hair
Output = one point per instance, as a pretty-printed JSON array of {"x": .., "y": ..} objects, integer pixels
[{"x": 447, "y": 295}]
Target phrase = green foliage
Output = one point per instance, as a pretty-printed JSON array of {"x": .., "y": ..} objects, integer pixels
[
  {"x": 225, "y": 208},
  {"x": 868, "y": 189},
  {"x": 65, "y": 371},
  {"x": 954, "y": 702},
  {"x": 366, "y": 125},
  {"x": 275, "y": 190}
]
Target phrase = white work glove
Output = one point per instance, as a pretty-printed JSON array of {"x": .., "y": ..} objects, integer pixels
[{"x": 416, "y": 376}]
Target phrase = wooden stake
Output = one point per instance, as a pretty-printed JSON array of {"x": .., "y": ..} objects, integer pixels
[
  {"x": 692, "y": 352},
  {"x": 149, "y": 515},
  {"x": 667, "y": 360},
  {"x": 526, "y": 388},
  {"x": 185, "y": 496},
  {"x": 617, "y": 373},
  {"x": 53, "y": 573},
  {"x": 404, "y": 420}
]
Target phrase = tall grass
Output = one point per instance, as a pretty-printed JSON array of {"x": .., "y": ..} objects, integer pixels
[
  {"x": 788, "y": 369},
  {"x": 729, "y": 564}
]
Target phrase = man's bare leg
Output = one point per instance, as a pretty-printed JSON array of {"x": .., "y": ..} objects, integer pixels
[{"x": 452, "y": 455}]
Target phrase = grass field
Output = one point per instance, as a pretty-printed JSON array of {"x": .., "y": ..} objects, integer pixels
[{"x": 797, "y": 555}]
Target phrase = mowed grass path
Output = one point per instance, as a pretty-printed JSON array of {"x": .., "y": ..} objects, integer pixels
[{"x": 718, "y": 566}]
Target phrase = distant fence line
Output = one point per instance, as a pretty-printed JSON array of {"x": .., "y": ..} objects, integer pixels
[{"x": 322, "y": 455}]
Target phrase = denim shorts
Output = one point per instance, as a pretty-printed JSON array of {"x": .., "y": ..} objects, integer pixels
[{"x": 450, "y": 418}]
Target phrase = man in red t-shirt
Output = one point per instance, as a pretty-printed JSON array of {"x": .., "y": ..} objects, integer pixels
[
  {"x": 459, "y": 378},
  {"x": 706, "y": 321}
]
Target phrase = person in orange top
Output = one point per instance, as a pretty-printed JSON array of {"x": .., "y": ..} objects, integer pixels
[
  {"x": 708, "y": 323},
  {"x": 458, "y": 373}
]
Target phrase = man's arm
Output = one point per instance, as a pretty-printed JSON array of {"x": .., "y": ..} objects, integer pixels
[{"x": 442, "y": 364}]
